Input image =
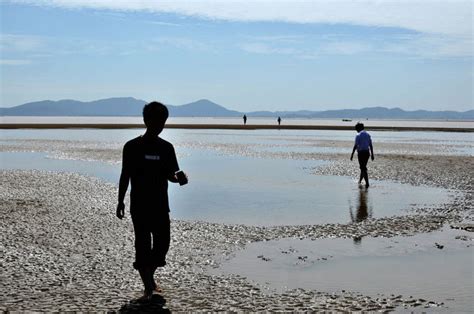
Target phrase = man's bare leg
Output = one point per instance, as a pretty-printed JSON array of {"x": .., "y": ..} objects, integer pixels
[
  {"x": 156, "y": 287},
  {"x": 145, "y": 274}
]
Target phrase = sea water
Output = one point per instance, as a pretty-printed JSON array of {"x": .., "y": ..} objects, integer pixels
[
  {"x": 238, "y": 120},
  {"x": 236, "y": 178}
]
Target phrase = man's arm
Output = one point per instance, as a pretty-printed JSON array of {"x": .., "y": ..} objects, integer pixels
[
  {"x": 353, "y": 151},
  {"x": 173, "y": 166},
  {"x": 371, "y": 148},
  {"x": 123, "y": 184}
]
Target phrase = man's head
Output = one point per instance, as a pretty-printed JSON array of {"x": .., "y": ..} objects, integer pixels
[
  {"x": 155, "y": 115},
  {"x": 359, "y": 126}
]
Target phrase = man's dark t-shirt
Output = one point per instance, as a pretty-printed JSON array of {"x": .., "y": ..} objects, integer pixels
[{"x": 150, "y": 162}]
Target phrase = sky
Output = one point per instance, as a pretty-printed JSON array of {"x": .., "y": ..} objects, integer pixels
[{"x": 244, "y": 55}]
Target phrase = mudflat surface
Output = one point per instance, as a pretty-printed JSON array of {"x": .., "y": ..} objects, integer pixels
[{"x": 63, "y": 248}]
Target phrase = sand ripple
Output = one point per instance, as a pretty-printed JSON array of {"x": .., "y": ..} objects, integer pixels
[{"x": 64, "y": 250}]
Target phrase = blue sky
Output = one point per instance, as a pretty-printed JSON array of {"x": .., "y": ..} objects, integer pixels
[{"x": 259, "y": 55}]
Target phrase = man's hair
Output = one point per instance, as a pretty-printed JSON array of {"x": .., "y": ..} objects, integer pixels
[
  {"x": 155, "y": 111},
  {"x": 359, "y": 126}
]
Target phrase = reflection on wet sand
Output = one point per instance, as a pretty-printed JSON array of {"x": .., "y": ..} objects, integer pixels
[{"x": 363, "y": 210}]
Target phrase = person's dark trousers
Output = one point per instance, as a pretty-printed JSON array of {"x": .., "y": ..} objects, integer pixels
[
  {"x": 363, "y": 157},
  {"x": 152, "y": 241}
]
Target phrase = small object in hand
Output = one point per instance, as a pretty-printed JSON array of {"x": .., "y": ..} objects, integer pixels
[{"x": 182, "y": 179}]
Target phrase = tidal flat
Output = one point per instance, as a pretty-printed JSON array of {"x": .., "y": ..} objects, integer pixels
[{"x": 63, "y": 249}]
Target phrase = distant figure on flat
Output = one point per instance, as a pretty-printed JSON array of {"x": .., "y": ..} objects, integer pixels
[
  {"x": 149, "y": 162},
  {"x": 363, "y": 145},
  {"x": 245, "y": 119},
  {"x": 279, "y": 121}
]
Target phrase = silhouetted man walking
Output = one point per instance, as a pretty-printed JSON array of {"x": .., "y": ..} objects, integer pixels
[
  {"x": 363, "y": 143},
  {"x": 149, "y": 162},
  {"x": 245, "y": 119}
]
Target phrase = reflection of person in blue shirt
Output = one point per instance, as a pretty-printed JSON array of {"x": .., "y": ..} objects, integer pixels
[
  {"x": 363, "y": 211},
  {"x": 363, "y": 145}
]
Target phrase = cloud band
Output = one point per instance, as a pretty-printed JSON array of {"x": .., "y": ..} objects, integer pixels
[{"x": 449, "y": 17}]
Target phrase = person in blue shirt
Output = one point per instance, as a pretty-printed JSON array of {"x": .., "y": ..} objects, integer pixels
[{"x": 363, "y": 145}]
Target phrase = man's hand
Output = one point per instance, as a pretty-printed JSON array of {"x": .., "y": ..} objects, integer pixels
[
  {"x": 181, "y": 177},
  {"x": 120, "y": 210}
]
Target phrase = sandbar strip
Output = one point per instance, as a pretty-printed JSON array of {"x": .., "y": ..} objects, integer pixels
[{"x": 225, "y": 127}]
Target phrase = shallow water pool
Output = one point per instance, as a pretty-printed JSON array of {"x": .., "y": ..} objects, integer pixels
[
  {"x": 408, "y": 266},
  {"x": 254, "y": 191}
]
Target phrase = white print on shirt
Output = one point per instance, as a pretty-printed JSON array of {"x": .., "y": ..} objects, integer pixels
[{"x": 152, "y": 157}]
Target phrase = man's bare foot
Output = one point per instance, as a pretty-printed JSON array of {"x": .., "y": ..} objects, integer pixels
[
  {"x": 147, "y": 295},
  {"x": 157, "y": 288}
]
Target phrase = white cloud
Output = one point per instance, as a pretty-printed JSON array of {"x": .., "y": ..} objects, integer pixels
[
  {"x": 340, "y": 47},
  {"x": 163, "y": 23},
  {"x": 20, "y": 43},
  {"x": 21, "y": 49},
  {"x": 431, "y": 46},
  {"x": 346, "y": 48},
  {"x": 453, "y": 17},
  {"x": 290, "y": 39},
  {"x": 178, "y": 42},
  {"x": 262, "y": 48},
  {"x": 415, "y": 45},
  {"x": 14, "y": 62}
]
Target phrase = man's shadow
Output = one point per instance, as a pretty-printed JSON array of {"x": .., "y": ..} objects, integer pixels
[{"x": 157, "y": 304}]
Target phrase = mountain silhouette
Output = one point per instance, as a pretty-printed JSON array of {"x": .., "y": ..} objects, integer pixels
[
  {"x": 202, "y": 108},
  {"x": 120, "y": 106},
  {"x": 129, "y": 106}
]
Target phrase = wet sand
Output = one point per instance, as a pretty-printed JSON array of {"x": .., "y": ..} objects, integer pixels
[{"x": 64, "y": 250}]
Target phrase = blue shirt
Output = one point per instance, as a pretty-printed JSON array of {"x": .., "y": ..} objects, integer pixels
[{"x": 363, "y": 141}]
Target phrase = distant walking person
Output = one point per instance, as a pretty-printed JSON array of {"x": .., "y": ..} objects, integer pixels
[
  {"x": 245, "y": 119},
  {"x": 363, "y": 143},
  {"x": 279, "y": 121},
  {"x": 149, "y": 162}
]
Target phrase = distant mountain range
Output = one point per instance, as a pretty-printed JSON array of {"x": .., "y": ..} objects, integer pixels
[{"x": 128, "y": 106}]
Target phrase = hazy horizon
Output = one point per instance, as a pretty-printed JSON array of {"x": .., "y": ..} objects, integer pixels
[
  {"x": 295, "y": 108},
  {"x": 224, "y": 106}
]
